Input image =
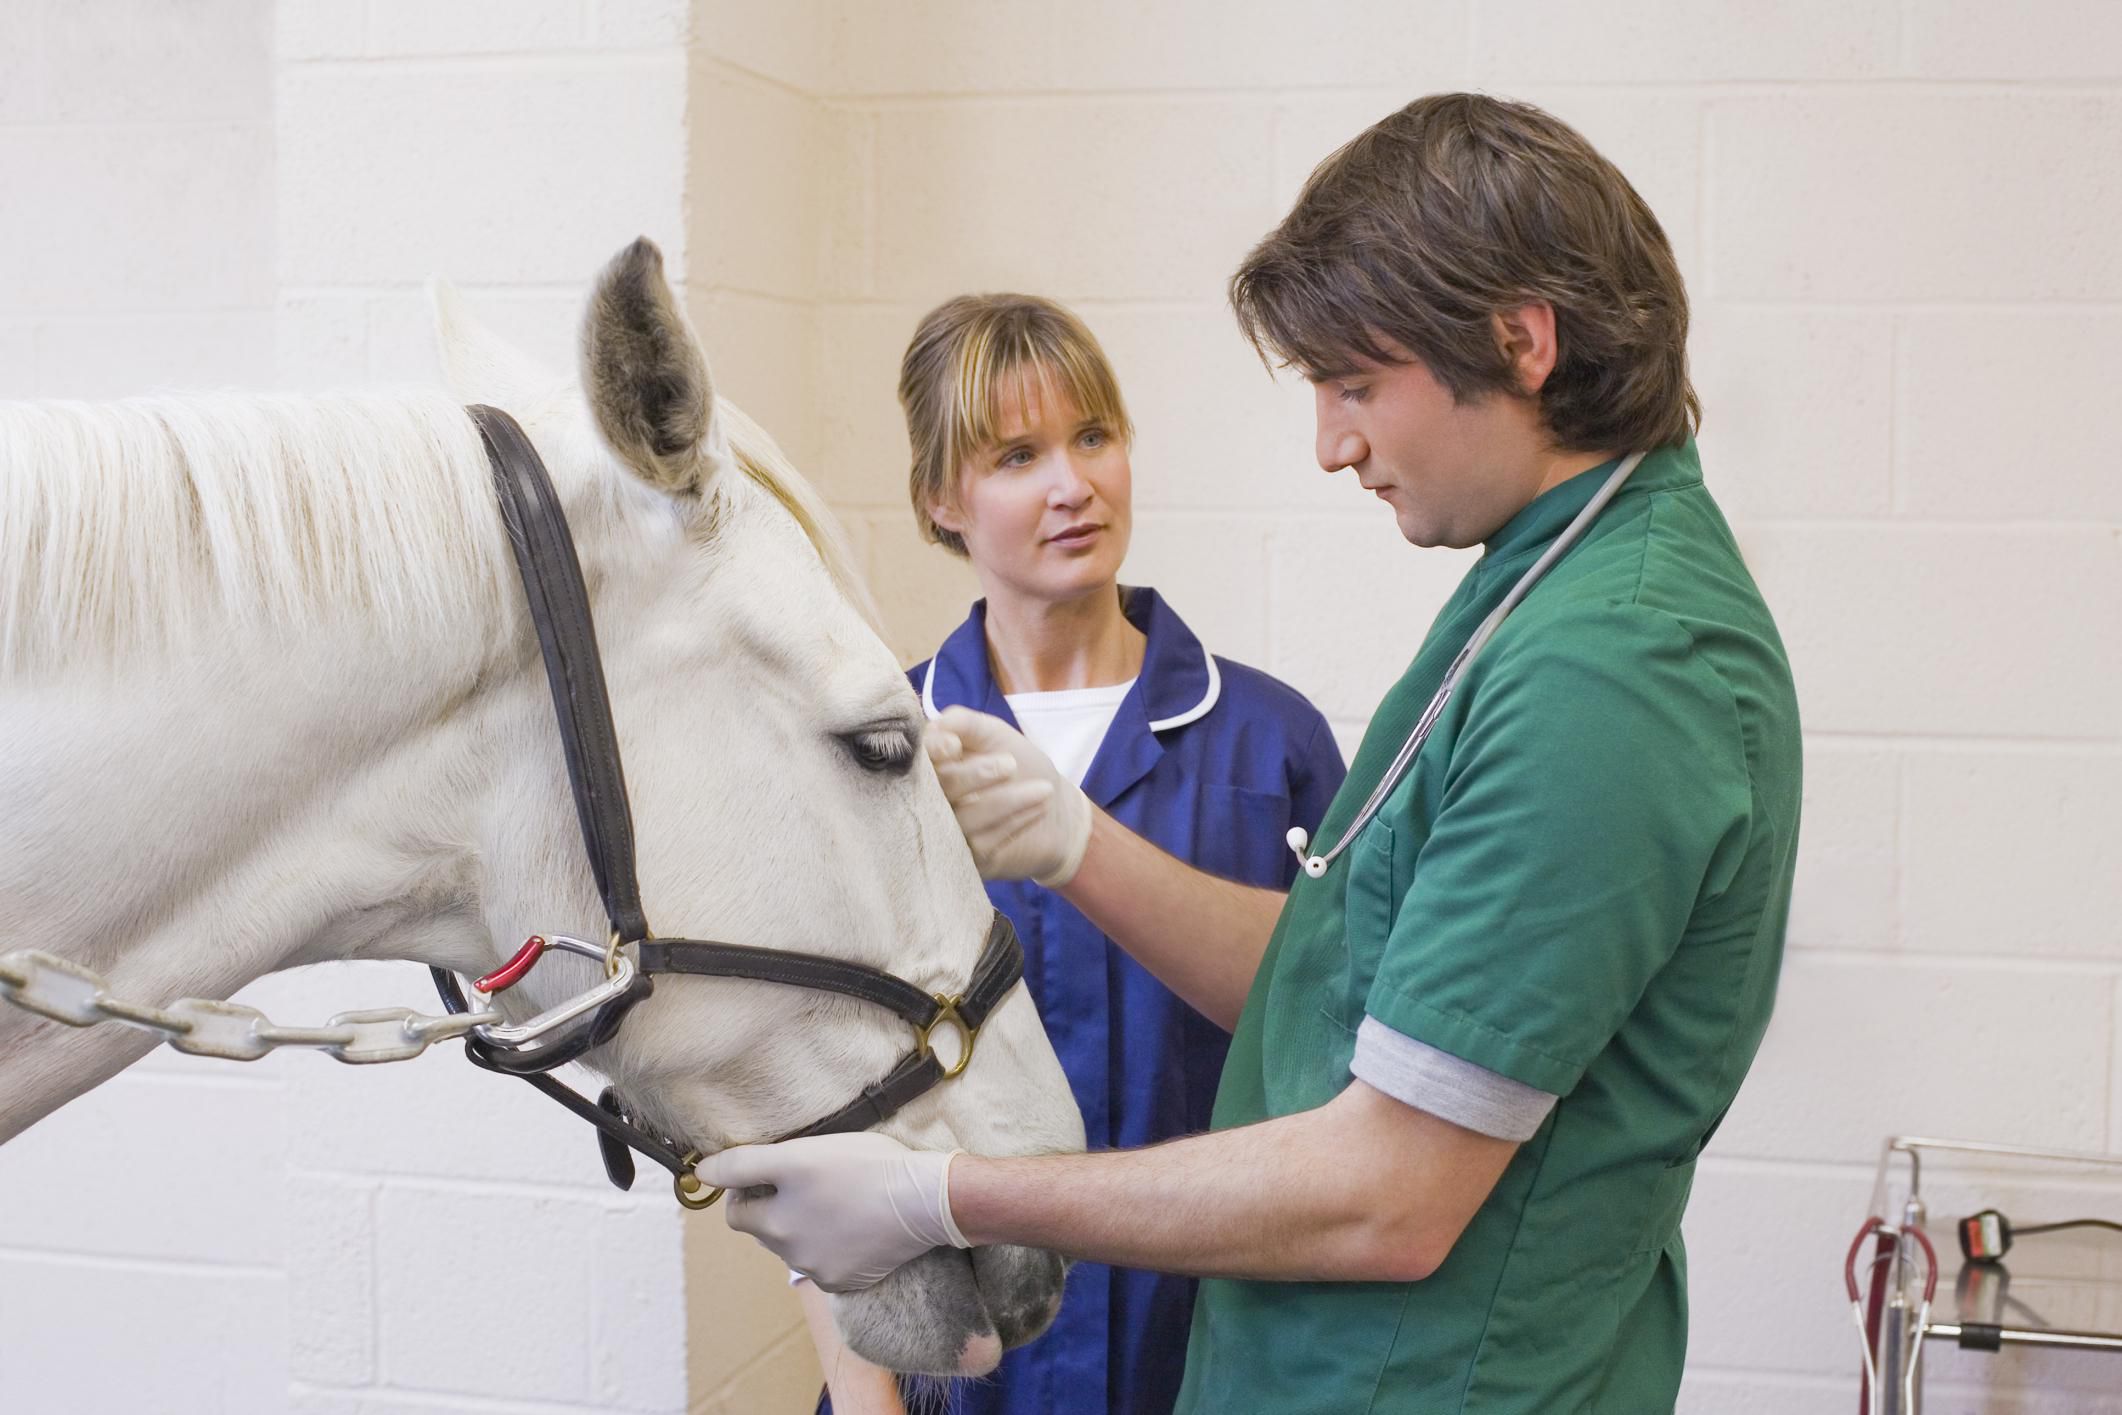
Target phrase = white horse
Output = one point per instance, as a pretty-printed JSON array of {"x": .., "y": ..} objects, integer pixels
[{"x": 269, "y": 696}]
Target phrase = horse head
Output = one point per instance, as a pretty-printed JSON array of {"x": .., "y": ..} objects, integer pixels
[{"x": 779, "y": 796}]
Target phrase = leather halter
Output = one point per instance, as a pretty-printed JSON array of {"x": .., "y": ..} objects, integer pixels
[{"x": 567, "y": 640}]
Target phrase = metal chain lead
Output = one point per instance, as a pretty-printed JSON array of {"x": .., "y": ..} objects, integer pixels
[{"x": 67, "y": 992}]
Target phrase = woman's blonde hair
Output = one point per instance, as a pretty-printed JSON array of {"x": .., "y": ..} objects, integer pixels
[{"x": 967, "y": 358}]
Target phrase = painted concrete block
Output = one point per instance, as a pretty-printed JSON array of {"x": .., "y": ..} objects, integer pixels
[
  {"x": 1967, "y": 39},
  {"x": 1211, "y": 569},
  {"x": 331, "y": 1279},
  {"x": 1890, "y": 630},
  {"x": 318, "y": 29},
  {"x": 544, "y": 324},
  {"x": 1797, "y": 409},
  {"x": 1348, "y": 604},
  {"x": 1214, "y": 429},
  {"x": 1991, "y": 419},
  {"x": 638, "y": 1304},
  {"x": 922, "y": 590},
  {"x": 1036, "y": 174},
  {"x": 1860, "y": 1050},
  {"x": 1258, "y": 44},
  {"x": 1759, "y": 1239},
  {"x": 1673, "y": 40},
  {"x": 784, "y": 1376},
  {"x": 71, "y": 1182},
  {"x": 1865, "y": 195},
  {"x": 785, "y": 43},
  {"x": 419, "y": 27},
  {"x": 921, "y": 47},
  {"x": 739, "y": 1306},
  {"x": 116, "y": 356},
  {"x": 137, "y": 219},
  {"x": 434, "y": 1309},
  {"x": 656, "y": 24},
  {"x": 148, "y": 61},
  {"x": 321, "y": 341},
  {"x": 764, "y": 355},
  {"x": 755, "y": 182},
  {"x": 2011, "y": 854},
  {"x": 441, "y": 1117},
  {"x": 495, "y": 175},
  {"x": 1847, "y": 886},
  {"x": 24, "y": 76},
  {"x": 114, "y": 1339},
  {"x": 863, "y": 455},
  {"x": 18, "y": 360}
]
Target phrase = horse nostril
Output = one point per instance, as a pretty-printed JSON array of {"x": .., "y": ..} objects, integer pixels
[{"x": 982, "y": 1353}]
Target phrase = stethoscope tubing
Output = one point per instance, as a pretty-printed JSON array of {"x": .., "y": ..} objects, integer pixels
[{"x": 1300, "y": 840}]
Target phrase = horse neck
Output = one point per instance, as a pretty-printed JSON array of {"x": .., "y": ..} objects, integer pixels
[{"x": 210, "y": 820}]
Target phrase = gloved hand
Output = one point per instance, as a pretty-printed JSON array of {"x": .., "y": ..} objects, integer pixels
[
  {"x": 845, "y": 1209},
  {"x": 1022, "y": 817}
]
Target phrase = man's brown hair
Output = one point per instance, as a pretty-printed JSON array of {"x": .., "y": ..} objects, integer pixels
[
  {"x": 969, "y": 357},
  {"x": 1459, "y": 206}
]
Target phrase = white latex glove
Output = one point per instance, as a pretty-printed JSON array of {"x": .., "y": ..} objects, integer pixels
[
  {"x": 1023, "y": 818},
  {"x": 845, "y": 1209}
]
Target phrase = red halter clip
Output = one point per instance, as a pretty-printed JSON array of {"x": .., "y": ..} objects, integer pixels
[{"x": 511, "y": 972}]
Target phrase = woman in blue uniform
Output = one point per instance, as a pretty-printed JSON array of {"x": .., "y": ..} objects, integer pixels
[{"x": 1020, "y": 464}]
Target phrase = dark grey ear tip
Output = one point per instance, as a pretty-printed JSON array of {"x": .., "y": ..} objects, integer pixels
[{"x": 642, "y": 258}]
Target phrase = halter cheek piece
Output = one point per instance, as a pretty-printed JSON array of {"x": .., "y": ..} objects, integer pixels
[{"x": 567, "y": 639}]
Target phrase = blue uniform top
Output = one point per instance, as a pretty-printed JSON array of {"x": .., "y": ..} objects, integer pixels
[{"x": 1213, "y": 762}]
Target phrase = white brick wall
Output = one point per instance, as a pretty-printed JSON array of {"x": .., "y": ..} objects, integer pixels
[
  {"x": 1896, "y": 218},
  {"x": 191, "y": 187}
]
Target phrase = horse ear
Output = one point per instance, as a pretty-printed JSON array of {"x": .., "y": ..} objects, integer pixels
[
  {"x": 478, "y": 365},
  {"x": 646, "y": 373}
]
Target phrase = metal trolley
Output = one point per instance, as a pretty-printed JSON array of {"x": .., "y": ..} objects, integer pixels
[{"x": 2055, "y": 1290}]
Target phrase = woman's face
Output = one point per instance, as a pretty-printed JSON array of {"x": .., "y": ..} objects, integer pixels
[{"x": 1044, "y": 509}]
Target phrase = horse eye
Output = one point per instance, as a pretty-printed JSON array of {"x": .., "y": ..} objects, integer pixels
[{"x": 881, "y": 749}]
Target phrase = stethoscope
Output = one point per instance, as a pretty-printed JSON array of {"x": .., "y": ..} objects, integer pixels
[{"x": 1299, "y": 838}]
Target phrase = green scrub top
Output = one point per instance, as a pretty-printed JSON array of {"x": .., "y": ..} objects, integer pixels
[{"x": 1581, "y": 885}]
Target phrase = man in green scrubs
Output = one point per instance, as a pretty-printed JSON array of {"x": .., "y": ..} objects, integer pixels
[{"x": 1474, "y": 1060}]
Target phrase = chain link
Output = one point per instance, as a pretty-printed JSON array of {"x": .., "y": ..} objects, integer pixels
[{"x": 66, "y": 992}]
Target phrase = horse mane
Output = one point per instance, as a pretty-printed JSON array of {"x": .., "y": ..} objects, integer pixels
[
  {"x": 763, "y": 463},
  {"x": 129, "y": 525},
  {"x": 137, "y": 524}
]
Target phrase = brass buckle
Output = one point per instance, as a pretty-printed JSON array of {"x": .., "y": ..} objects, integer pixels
[
  {"x": 687, "y": 1186},
  {"x": 947, "y": 1011}
]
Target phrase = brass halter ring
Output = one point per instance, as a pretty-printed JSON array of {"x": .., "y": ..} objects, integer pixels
[
  {"x": 687, "y": 1186},
  {"x": 947, "y": 1011}
]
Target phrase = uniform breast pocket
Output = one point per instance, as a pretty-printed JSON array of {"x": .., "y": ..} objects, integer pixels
[
  {"x": 1368, "y": 911},
  {"x": 1242, "y": 835}
]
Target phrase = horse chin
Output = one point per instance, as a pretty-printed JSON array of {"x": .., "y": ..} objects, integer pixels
[{"x": 950, "y": 1313}]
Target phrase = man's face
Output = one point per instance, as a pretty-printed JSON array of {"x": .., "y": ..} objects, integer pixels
[{"x": 1452, "y": 472}]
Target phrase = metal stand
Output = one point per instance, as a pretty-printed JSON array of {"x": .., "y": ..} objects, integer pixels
[{"x": 2071, "y": 1286}]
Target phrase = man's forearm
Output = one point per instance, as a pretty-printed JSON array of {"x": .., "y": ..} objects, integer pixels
[
  {"x": 1360, "y": 1189},
  {"x": 1202, "y": 936}
]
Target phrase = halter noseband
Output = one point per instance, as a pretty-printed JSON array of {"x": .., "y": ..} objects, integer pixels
[{"x": 567, "y": 640}]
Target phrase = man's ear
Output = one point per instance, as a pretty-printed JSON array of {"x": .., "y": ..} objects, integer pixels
[
  {"x": 646, "y": 374},
  {"x": 1526, "y": 335}
]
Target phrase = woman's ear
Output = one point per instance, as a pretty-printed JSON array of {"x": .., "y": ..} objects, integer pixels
[
  {"x": 1526, "y": 335},
  {"x": 948, "y": 516}
]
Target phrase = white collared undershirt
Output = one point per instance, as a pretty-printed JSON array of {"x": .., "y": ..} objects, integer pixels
[{"x": 1069, "y": 724}]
